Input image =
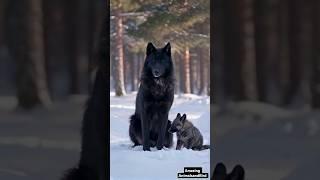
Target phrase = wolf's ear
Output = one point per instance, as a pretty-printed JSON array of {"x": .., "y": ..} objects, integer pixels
[
  {"x": 150, "y": 48},
  {"x": 179, "y": 115},
  {"x": 220, "y": 172},
  {"x": 237, "y": 173},
  {"x": 183, "y": 118},
  {"x": 167, "y": 49}
]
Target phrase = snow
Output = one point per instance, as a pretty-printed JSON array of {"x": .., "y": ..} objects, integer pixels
[{"x": 134, "y": 163}]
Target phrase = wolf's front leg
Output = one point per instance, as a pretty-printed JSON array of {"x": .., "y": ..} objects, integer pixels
[
  {"x": 162, "y": 130},
  {"x": 145, "y": 130},
  {"x": 179, "y": 145}
]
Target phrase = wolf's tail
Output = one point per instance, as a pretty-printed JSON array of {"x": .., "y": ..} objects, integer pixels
[{"x": 203, "y": 147}]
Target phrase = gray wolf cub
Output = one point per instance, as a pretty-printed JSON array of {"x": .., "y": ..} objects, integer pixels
[{"x": 188, "y": 135}]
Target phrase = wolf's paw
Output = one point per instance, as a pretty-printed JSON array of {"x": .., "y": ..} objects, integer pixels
[
  {"x": 159, "y": 147},
  {"x": 146, "y": 148}
]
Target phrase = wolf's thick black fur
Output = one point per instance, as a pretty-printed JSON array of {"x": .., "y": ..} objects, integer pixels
[
  {"x": 149, "y": 125},
  {"x": 93, "y": 157}
]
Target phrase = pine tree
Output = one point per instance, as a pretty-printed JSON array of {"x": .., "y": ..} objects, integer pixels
[{"x": 118, "y": 8}]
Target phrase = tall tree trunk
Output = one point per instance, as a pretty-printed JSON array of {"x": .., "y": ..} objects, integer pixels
[
  {"x": 218, "y": 51},
  {"x": 96, "y": 15},
  {"x": 177, "y": 72},
  {"x": 233, "y": 86},
  {"x": 81, "y": 46},
  {"x": 55, "y": 35},
  {"x": 70, "y": 8},
  {"x": 2, "y": 16},
  {"x": 315, "y": 78},
  {"x": 284, "y": 63},
  {"x": 181, "y": 72},
  {"x": 306, "y": 57},
  {"x": 294, "y": 66},
  {"x": 247, "y": 50},
  {"x": 267, "y": 50},
  {"x": 134, "y": 69},
  {"x": 127, "y": 70},
  {"x": 139, "y": 67},
  {"x": 299, "y": 46},
  {"x": 119, "y": 58},
  {"x": 201, "y": 72},
  {"x": 78, "y": 21},
  {"x": 186, "y": 64},
  {"x": 193, "y": 75},
  {"x": 204, "y": 71},
  {"x": 209, "y": 76},
  {"x": 26, "y": 47},
  {"x": 198, "y": 69},
  {"x": 5, "y": 68},
  {"x": 36, "y": 50},
  {"x": 141, "y": 63}
]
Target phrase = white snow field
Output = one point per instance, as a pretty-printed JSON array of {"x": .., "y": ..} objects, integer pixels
[{"x": 129, "y": 163}]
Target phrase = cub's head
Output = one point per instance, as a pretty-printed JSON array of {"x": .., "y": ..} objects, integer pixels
[
  {"x": 158, "y": 62},
  {"x": 177, "y": 123}
]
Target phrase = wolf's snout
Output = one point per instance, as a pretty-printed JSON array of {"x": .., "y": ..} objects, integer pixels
[
  {"x": 172, "y": 130},
  {"x": 156, "y": 73}
]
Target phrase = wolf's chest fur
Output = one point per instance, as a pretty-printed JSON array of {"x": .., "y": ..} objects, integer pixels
[{"x": 158, "y": 88}]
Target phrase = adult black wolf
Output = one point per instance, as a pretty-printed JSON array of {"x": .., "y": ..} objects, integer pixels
[{"x": 149, "y": 125}]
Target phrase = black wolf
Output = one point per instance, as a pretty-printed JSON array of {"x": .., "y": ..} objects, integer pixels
[
  {"x": 220, "y": 173},
  {"x": 188, "y": 135},
  {"x": 93, "y": 157},
  {"x": 149, "y": 125}
]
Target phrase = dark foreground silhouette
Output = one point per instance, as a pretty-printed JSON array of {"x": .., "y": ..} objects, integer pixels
[
  {"x": 220, "y": 173},
  {"x": 93, "y": 157}
]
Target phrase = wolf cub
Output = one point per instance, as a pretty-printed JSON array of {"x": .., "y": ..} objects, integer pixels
[{"x": 188, "y": 135}]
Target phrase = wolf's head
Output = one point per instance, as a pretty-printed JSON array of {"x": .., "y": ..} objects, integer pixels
[
  {"x": 158, "y": 61},
  {"x": 177, "y": 123}
]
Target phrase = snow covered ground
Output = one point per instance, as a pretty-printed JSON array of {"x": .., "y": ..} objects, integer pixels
[{"x": 129, "y": 163}]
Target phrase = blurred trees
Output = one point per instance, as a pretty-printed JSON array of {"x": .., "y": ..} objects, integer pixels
[
  {"x": 315, "y": 70},
  {"x": 51, "y": 45},
  {"x": 35, "y": 60},
  {"x": 267, "y": 50},
  {"x": 184, "y": 23},
  {"x": 26, "y": 47}
]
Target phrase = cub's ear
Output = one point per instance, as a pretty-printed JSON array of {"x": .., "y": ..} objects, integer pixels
[
  {"x": 179, "y": 115},
  {"x": 183, "y": 118},
  {"x": 167, "y": 49},
  {"x": 150, "y": 48}
]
